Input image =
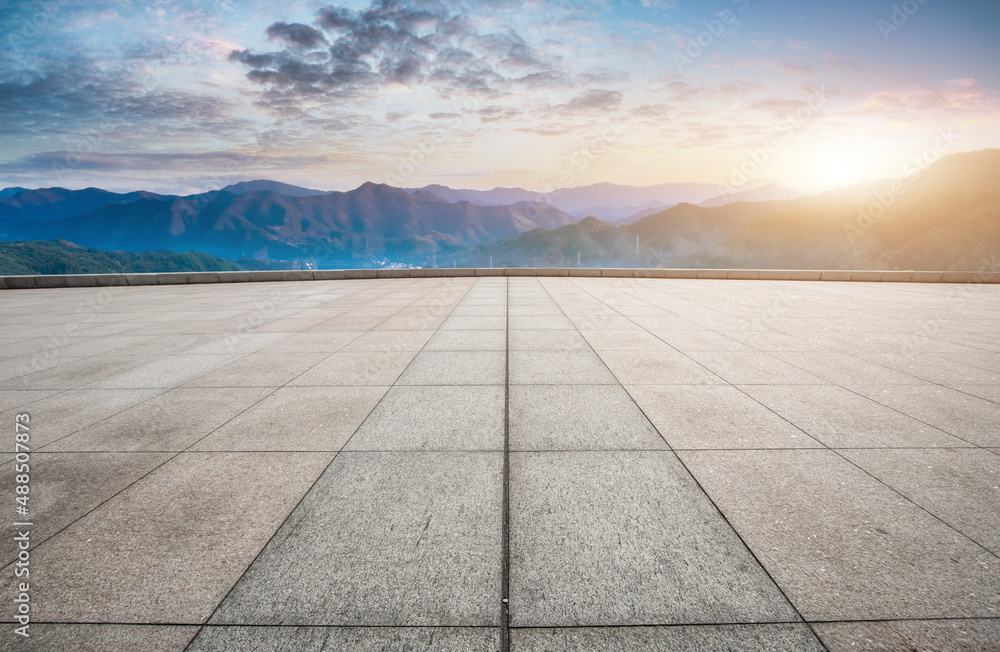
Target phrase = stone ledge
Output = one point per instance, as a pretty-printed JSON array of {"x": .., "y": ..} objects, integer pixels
[{"x": 184, "y": 278}]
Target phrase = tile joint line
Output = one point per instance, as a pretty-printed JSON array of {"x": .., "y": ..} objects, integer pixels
[{"x": 505, "y": 531}]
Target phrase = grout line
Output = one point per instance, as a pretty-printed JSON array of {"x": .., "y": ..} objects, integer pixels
[
  {"x": 944, "y": 619},
  {"x": 505, "y": 531}
]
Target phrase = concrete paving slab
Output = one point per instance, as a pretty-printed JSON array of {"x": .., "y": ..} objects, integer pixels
[
  {"x": 967, "y": 417},
  {"x": 685, "y": 340},
  {"x": 76, "y": 372},
  {"x": 15, "y": 398},
  {"x": 625, "y": 538},
  {"x": 66, "y": 486},
  {"x": 56, "y": 416},
  {"x": 540, "y": 322},
  {"x": 934, "y": 369},
  {"x": 757, "y": 368},
  {"x": 471, "y": 340},
  {"x": 715, "y": 416},
  {"x": 581, "y": 367},
  {"x": 415, "y": 541},
  {"x": 479, "y": 309},
  {"x": 260, "y": 370},
  {"x": 475, "y": 322},
  {"x": 455, "y": 368},
  {"x": 129, "y": 560},
  {"x": 842, "y": 545},
  {"x": 578, "y": 417},
  {"x": 297, "y": 419},
  {"x": 439, "y": 418},
  {"x": 46, "y": 637},
  {"x": 348, "y": 323},
  {"x": 700, "y": 638},
  {"x": 166, "y": 372},
  {"x": 959, "y": 486},
  {"x": 604, "y": 322},
  {"x": 324, "y": 342},
  {"x": 390, "y": 341},
  {"x": 171, "y": 421},
  {"x": 547, "y": 340},
  {"x": 329, "y": 639},
  {"x": 94, "y": 346},
  {"x": 29, "y": 364},
  {"x": 158, "y": 344},
  {"x": 357, "y": 368},
  {"x": 624, "y": 340},
  {"x": 840, "y": 418},
  {"x": 847, "y": 370},
  {"x": 960, "y": 635},
  {"x": 287, "y": 325},
  {"x": 657, "y": 368},
  {"x": 239, "y": 342}
]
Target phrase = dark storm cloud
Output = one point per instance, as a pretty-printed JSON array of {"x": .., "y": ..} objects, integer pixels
[
  {"x": 337, "y": 18},
  {"x": 396, "y": 42},
  {"x": 296, "y": 35}
]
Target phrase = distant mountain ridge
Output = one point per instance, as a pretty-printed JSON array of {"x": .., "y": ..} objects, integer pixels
[
  {"x": 770, "y": 192},
  {"x": 370, "y": 222},
  {"x": 610, "y": 200},
  {"x": 274, "y": 186}
]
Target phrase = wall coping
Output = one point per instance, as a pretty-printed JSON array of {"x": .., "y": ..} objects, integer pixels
[{"x": 183, "y": 278}]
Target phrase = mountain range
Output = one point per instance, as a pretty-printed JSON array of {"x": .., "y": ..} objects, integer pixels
[{"x": 946, "y": 216}]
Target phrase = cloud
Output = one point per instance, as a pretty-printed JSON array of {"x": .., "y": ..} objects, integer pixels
[
  {"x": 495, "y": 113},
  {"x": 954, "y": 98},
  {"x": 296, "y": 35},
  {"x": 593, "y": 100},
  {"x": 393, "y": 42}
]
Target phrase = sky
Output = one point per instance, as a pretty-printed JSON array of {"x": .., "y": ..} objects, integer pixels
[{"x": 181, "y": 96}]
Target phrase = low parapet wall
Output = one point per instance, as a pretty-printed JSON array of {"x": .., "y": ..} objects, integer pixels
[{"x": 182, "y": 278}]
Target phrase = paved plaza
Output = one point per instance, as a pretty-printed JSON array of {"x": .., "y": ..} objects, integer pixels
[{"x": 505, "y": 463}]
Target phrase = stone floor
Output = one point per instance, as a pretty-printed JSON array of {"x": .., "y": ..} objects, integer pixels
[{"x": 379, "y": 464}]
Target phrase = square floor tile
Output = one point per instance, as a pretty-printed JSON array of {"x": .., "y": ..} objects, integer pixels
[
  {"x": 414, "y": 539},
  {"x": 456, "y": 368},
  {"x": 297, "y": 419},
  {"x": 578, "y": 417},
  {"x": 443, "y": 417},
  {"x": 626, "y": 538},
  {"x": 841, "y": 544},
  {"x": 166, "y": 529},
  {"x": 715, "y": 416}
]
